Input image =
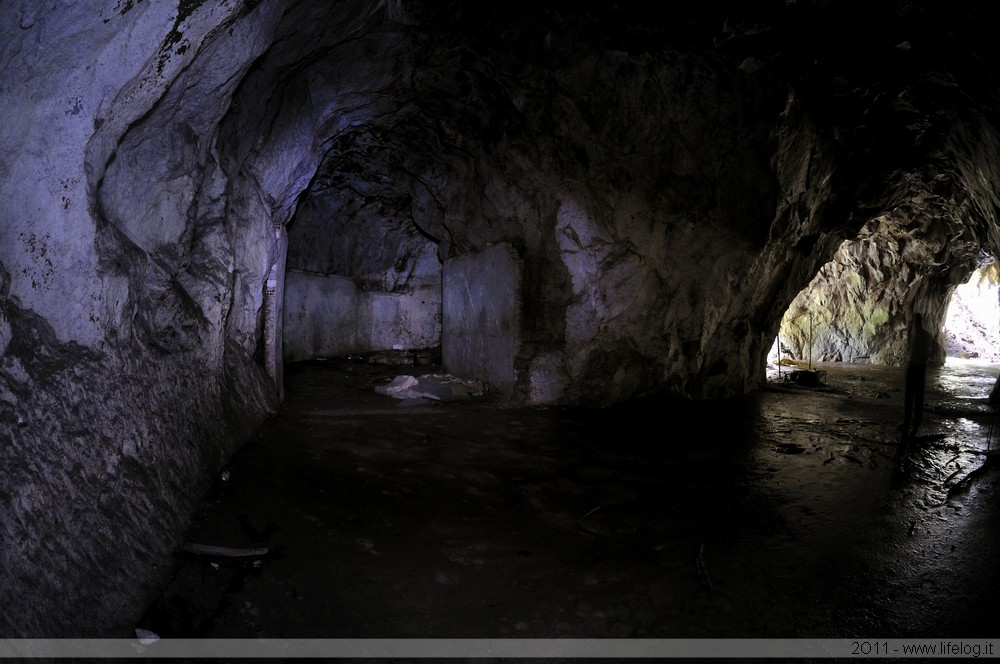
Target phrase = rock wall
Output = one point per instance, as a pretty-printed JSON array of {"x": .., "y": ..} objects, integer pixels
[
  {"x": 130, "y": 369},
  {"x": 481, "y": 317},
  {"x": 328, "y": 316},
  {"x": 361, "y": 277}
]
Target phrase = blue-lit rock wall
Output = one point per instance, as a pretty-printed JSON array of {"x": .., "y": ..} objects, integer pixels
[{"x": 130, "y": 300}]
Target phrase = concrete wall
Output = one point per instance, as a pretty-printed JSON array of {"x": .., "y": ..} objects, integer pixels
[
  {"x": 481, "y": 312},
  {"x": 326, "y": 316}
]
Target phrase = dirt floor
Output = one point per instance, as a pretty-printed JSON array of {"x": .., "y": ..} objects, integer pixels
[{"x": 793, "y": 512}]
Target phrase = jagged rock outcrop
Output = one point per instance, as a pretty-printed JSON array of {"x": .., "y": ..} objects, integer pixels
[{"x": 665, "y": 178}]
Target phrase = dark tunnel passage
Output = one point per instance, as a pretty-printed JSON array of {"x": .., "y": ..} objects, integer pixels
[{"x": 225, "y": 224}]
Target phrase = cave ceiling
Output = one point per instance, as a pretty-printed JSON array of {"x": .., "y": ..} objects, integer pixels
[{"x": 422, "y": 106}]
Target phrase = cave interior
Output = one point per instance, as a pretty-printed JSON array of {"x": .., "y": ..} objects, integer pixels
[{"x": 575, "y": 204}]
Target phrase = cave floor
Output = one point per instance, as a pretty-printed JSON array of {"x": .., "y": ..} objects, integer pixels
[{"x": 792, "y": 512}]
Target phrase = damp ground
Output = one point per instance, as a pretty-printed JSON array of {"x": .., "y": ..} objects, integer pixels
[{"x": 792, "y": 512}]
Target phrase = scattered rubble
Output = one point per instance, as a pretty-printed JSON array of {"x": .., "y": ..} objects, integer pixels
[{"x": 437, "y": 387}]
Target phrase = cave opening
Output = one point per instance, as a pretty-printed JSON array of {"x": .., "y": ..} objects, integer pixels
[
  {"x": 972, "y": 321},
  {"x": 858, "y": 306}
]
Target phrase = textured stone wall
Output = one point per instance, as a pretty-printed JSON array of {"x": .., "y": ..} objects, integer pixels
[
  {"x": 130, "y": 298},
  {"x": 328, "y": 316},
  {"x": 481, "y": 317}
]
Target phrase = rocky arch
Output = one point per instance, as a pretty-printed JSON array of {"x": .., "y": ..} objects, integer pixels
[{"x": 857, "y": 308}]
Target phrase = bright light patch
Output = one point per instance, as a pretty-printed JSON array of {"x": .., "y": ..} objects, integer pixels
[{"x": 972, "y": 323}]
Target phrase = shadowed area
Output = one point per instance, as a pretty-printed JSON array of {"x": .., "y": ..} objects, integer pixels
[{"x": 792, "y": 513}]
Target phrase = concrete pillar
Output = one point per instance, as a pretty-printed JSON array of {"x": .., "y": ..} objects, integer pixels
[{"x": 481, "y": 317}]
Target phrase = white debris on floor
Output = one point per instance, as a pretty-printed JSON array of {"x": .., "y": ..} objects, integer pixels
[{"x": 438, "y": 387}]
